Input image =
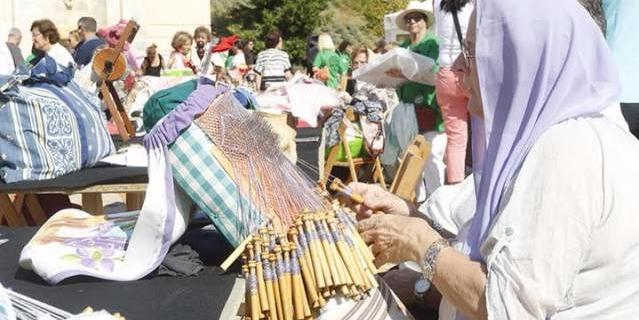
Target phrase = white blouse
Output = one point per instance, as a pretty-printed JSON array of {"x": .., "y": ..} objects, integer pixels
[
  {"x": 61, "y": 56},
  {"x": 566, "y": 243},
  {"x": 449, "y": 47}
]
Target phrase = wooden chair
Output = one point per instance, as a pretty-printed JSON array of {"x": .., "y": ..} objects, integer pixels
[
  {"x": 353, "y": 164},
  {"x": 411, "y": 168}
]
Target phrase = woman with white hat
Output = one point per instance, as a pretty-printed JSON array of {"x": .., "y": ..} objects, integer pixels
[{"x": 417, "y": 19}]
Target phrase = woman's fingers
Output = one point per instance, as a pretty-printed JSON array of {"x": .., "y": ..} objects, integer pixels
[
  {"x": 363, "y": 212},
  {"x": 369, "y": 224},
  {"x": 360, "y": 188},
  {"x": 375, "y": 198},
  {"x": 377, "y": 249}
]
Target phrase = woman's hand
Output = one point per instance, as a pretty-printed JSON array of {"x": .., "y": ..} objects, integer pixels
[
  {"x": 378, "y": 200},
  {"x": 395, "y": 239},
  {"x": 395, "y": 73}
]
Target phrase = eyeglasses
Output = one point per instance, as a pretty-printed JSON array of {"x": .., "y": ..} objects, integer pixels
[{"x": 413, "y": 18}]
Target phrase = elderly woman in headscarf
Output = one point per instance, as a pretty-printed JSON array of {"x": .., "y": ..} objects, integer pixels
[{"x": 554, "y": 234}]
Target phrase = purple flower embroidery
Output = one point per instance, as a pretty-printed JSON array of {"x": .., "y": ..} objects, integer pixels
[{"x": 95, "y": 258}]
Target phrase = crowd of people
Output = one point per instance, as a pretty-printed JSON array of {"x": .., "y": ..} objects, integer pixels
[{"x": 532, "y": 88}]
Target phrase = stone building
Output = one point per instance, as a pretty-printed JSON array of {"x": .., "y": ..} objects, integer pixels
[{"x": 159, "y": 19}]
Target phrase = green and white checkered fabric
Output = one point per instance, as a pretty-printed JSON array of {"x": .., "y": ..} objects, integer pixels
[{"x": 205, "y": 181}]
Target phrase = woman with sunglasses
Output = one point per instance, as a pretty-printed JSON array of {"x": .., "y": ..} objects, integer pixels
[
  {"x": 416, "y": 94},
  {"x": 554, "y": 234}
]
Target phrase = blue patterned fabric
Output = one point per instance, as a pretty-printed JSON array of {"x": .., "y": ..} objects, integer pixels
[
  {"x": 48, "y": 130},
  {"x": 202, "y": 177}
]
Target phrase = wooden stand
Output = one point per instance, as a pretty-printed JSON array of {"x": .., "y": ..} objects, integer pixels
[
  {"x": 117, "y": 111},
  {"x": 411, "y": 168},
  {"x": 109, "y": 65},
  {"x": 353, "y": 164}
]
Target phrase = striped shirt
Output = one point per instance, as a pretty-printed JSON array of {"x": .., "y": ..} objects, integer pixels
[{"x": 272, "y": 63}]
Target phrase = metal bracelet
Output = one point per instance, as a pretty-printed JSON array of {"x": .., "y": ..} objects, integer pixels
[{"x": 430, "y": 258}]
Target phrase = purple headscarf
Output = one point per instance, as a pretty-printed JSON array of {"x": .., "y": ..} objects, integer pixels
[{"x": 539, "y": 63}]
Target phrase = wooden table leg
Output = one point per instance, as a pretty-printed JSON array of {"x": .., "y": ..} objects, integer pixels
[
  {"x": 35, "y": 209},
  {"x": 8, "y": 211},
  {"x": 134, "y": 200},
  {"x": 92, "y": 203}
]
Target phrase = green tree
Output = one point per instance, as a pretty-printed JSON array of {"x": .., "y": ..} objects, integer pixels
[
  {"x": 344, "y": 23},
  {"x": 220, "y": 13},
  {"x": 295, "y": 19},
  {"x": 374, "y": 11},
  {"x": 359, "y": 21}
]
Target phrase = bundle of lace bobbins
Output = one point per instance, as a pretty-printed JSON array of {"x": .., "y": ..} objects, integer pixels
[{"x": 291, "y": 276}]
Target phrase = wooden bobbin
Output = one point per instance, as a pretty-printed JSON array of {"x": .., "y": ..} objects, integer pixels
[
  {"x": 253, "y": 295},
  {"x": 285, "y": 293},
  {"x": 270, "y": 291},
  {"x": 276, "y": 287},
  {"x": 311, "y": 287}
]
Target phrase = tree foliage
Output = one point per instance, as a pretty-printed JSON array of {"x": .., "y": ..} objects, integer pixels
[
  {"x": 344, "y": 23},
  {"x": 221, "y": 13},
  {"x": 373, "y": 12},
  {"x": 295, "y": 19},
  {"x": 359, "y": 21}
]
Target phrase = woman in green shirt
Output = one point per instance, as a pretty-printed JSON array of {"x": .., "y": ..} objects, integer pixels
[
  {"x": 327, "y": 58},
  {"x": 417, "y": 20},
  {"x": 415, "y": 94}
]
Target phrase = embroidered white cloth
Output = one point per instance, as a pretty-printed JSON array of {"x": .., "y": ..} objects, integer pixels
[{"x": 124, "y": 246}]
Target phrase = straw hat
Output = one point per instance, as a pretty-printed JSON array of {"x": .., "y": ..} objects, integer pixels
[{"x": 423, "y": 7}]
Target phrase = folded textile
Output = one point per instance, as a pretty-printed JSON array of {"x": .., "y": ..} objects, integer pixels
[
  {"x": 6, "y": 309},
  {"x": 181, "y": 260},
  {"x": 16, "y": 306},
  {"x": 125, "y": 246},
  {"x": 147, "y": 86},
  {"x": 303, "y": 97},
  {"x": 47, "y": 70},
  {"x": 409, "y": 63},
  {"x": 49, "y": 127},
  {"x": 163, "y": 101},
  {"x": 131, "y": 157}
]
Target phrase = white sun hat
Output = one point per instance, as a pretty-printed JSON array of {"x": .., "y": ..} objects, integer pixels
[{"x": 423, "y": 7}]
